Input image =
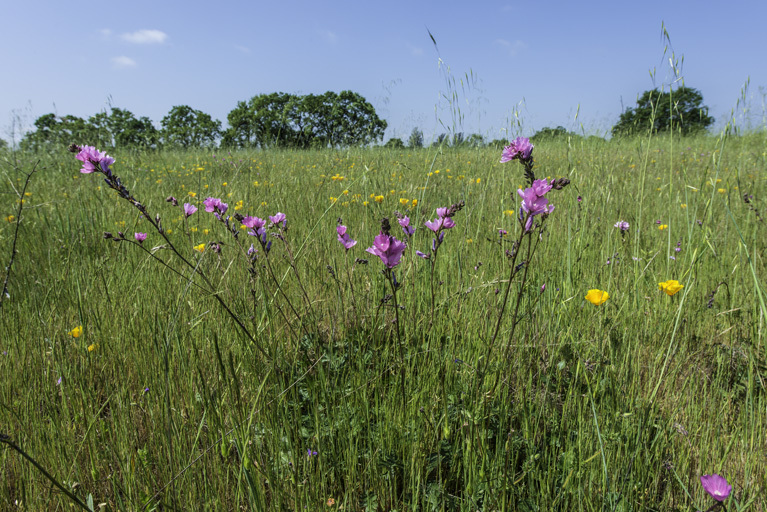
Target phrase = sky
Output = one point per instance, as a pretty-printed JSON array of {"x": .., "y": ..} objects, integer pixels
[{"x": 507, "y": 67}]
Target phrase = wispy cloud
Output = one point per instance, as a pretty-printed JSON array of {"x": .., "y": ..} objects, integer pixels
[
  {"x": 145, "y": 37},
  {"x": 123, "y": 62},
  {"x": 105, "y": 33},
  {"x": 243, "y": 49},
  {"x": 415, "y": 50},
  {"x": 328, "y": 36},
  {"x": 514, "y": 48}
]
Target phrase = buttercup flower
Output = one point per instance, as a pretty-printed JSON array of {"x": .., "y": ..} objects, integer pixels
[
  {"x": 76, "y": 332},
  {"x": 670, "y": 287},
  {"x": 388, "y": 248},
  {"x": 716, "y": 486},
  {"x": 519, "y": 148},
  {"x": 199, "y": 248},
  {"x": 597, "y": 297}
]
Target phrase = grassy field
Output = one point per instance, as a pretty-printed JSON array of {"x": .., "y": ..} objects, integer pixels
[{"x": 201, "y": 380}]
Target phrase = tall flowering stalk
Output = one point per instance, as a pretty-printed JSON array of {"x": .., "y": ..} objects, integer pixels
[
  {"x": 534, "y": 204},
  {"x": 94, "y": 161},
  {"x": 438, "y": 226},
  {"x": 390, "y": 251}
]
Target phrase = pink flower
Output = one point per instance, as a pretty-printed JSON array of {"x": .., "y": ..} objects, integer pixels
[
  {"x": 91, "y": 157},
  {"x": 279, "y": 217},
  {"x": 388, "y": 248},
  {"x": 439, "y": 223},
  {"x": 520, "y": 148},
  {"x": 256, "y": 225},
  {"x": 189, "y": 209},
  {"x": 716, "y": 486},
  {"x": 622, "y": 225},
  {"x": 406, "y": 227},
  {"x": 211, "y": 204},
  {"x": 140, "y": 237},
  {"x": 343, "y": 237}
]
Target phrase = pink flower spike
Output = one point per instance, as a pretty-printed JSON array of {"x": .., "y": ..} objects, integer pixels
[
  {"x": 519, "y": 148},
  {"x": 434, "y": 225},
  {"x": 716, "y": 486},
  {"x": 441, "y": 212},
  {"x": 211, "y": 203},
  {"x": 189, "y": 209},
  {"x": 253, "y": 222},
  {"x": 140, "y": 237},
  {"x": 388, "y": 248},
  {"x": 277, "y": 218}
]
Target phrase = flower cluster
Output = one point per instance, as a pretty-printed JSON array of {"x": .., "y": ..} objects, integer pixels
[
  {"x": 388, "y": 248},
  {"x": 518, "y": 149},
  {"x": 343, "y": 237},
  {"x": 94, "y": 160},
  {"x": 534, "y": 203}
]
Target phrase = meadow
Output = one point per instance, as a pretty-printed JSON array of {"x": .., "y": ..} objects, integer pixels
[{"x": 299, "y": 377}]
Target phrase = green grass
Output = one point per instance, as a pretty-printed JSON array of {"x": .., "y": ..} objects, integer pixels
[{"x": 617, "y": 407}]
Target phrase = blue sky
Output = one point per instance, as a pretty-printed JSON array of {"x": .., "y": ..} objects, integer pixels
[{"x": 539, "y": 62}]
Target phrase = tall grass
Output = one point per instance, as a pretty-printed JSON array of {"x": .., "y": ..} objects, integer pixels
[{"x": 617, "y": 407}]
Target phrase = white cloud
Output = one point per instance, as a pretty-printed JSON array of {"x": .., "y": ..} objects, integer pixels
[
  {"x": 514, "y": 48},
  {"x": 123, "y": 62},
  {"x": 328, "y": 36},
  {"x": 145, "y": 37},
  {"x": 243, "y": 49},
  {"x": 105, "y": 33}
]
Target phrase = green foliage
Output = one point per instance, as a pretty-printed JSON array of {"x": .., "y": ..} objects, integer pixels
[
  {"x": 3, "y": 144},
  {"x": 282, "y": 120},
  {"x": 679, "y": 110},
  {"x": 416, "y": 138},
  {"x": 52, "y": 131},
  {"x": 394, "y": 143},
  {"x": 186, "y": 127},
  {"x": 549, "y": 134}
]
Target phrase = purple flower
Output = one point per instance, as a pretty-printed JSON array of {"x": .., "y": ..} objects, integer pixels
[
  {"x": 388, "y": 248},
  {"x": 716, "y": 486},
  {"x": 622, "y": 225},
  {"x": 140, "y": 237},
  {"x": 212, "y": 204},
  {"x": 543, "y": 287},
  {"x": 422, "y": 255},
  {"x": 541, "y": 187},
  {"x": 172, "y": 200},
  {"x": 502, "y": 232},
  {"x": 256, "y": 225},
  {"x": 252, "y": 250},
  {"x": 406, "y": 227},
  {"x": 189, "y": 209},
  {"x": 310, "y": 452},
  {"x": 279, "y": 217},
  {"x": 441, "y": 212},
  {"x": 91, "y": 157},
  {"x": 439, "y": 223},
  {"x": 580, "y": 199},
  {"x": 343, "y": 237},
  {"x": 519, "y": 148}
]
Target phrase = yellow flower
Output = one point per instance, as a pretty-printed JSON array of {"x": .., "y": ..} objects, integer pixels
[
  {"x": 205, "y": 231},
  {"x": 415, "y": 202},
  {"x": 663, "y": 226},
  {"x": 331, "y": 502},
  {"x": 478, "y": 180},
  {"x": 510, "y": 213},
  {"x": 670, "y": 287},
  {"x": 597, "y": 297},
  {"x": 199, "y": 248},
  {"x": 379, "y": 199},
  {"x": 365, "y": 203},
  {"x": 345, "y": 192},
  {"x": 223, "y": 184},
  {"x": 403, "y": 201},
  {"x": 721, "y": 190},
  {"x": 92, "y": 347},
  {"x": 192, "y": 194},
  {"x": 683, "y": 205},
  {"x": 76, "y": 332},
  {"x": 10, "y": 218}
]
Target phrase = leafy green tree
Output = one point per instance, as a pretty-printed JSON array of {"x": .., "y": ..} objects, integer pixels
[
  {"x": 679, "y": 110},
  {"x": 189, "y": 128},
  {"x": 394, "y": 143},
  {"x": 52, "y": 131},
  {"x": 416, "y": 139},
  {"x": 120, "y": 128},
  {"x": 3, "y": 144},
  {"x": 287, "y": 120},
  {"x": 560, "y": 132},
  {"x": 475, "y": 140},
  {"x": 440, "y": 140}
]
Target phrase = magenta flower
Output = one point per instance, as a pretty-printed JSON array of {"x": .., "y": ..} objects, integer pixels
[
  {"x": 189, "y": 209},
  {"x": 279, "y": 217},
  {"x": 423, "y": 255},
  {"x": 91, "y": 157},
  {"x": 622, "y": 225},
  {"x": 212, "y": 204},
  {"x": 439, "y": 223},
  {"x": 256, "y": 225},
  {"x": 541, "y": 187},
  {"x": 716, "y": 486},
  {"x": 388, "y": 248},
  {"x": 343, "y": 237},
  {"x": 520, "y": 148},
  {"x": 534, "y": 204},
  {"x": 441, "y": 212},
  {"x": 140, "y": 237},
  {"x": 406, "y": 227}
]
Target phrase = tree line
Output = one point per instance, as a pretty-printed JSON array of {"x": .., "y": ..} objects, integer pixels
[
  {"x": 276, "y": 120},
  {"x": 329, "y": 120}
]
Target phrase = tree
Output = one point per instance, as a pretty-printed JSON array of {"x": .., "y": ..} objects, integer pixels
[
  {"x": 3, "y": 144},
  {"x": 678, "y": 110},
  {"x": 394, "y": 143},
  {"x": 120, "y": 128},
  {"x": 546, "y": 133},
  {"x": 416, "y": 139},
  {"x": 288, "y": 120},
  {"x": 188, "y": 128},
  {"x": 475, "y": 140},
  {"x": 52, "y": 131}
]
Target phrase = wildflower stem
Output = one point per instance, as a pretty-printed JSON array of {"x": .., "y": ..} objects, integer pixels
[{"x": 399, "y": 336}]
